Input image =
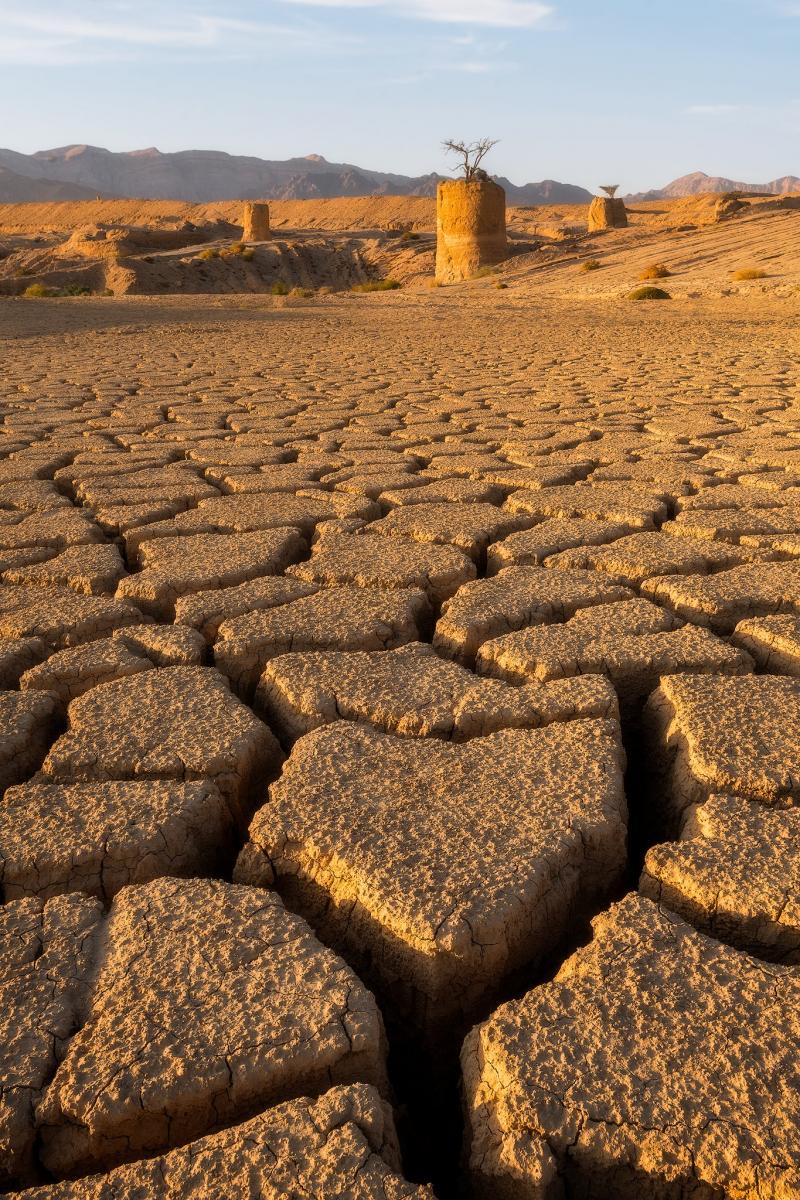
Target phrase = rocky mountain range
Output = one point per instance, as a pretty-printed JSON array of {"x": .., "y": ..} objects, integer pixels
[
  {"x": 82, "y": 172},
  {"x": 207, "y": 175},
  {"x": 698, "y": 182}
]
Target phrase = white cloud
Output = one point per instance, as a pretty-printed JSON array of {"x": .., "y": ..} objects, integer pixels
[
  {"x": 510, "y": 14},
  {"x": 88, "y": 31},
  {"x": 713, "y": 110}
]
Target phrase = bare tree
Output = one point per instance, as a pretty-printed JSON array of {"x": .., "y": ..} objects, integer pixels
[{"x": 472, "y": 155}]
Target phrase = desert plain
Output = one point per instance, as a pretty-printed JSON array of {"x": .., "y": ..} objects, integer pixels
[{"x": 400, "y": 710}]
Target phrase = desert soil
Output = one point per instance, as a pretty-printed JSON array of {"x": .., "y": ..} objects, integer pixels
[{"x": 357, "y": 653}]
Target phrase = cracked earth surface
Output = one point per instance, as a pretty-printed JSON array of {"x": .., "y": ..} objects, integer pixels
[{"x": 354, "y": 657}]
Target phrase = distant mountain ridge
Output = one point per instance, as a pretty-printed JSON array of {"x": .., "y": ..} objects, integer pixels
[
  {"x": 82, "y": 172},
  {"x": 698, "y": 182},
  {"x": 204, "y": 176}
]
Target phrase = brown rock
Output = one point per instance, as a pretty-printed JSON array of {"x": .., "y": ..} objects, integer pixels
[
  {"x": 248, "y": 514},
  {"x": 468, "y": 527},
  {"x": 634, "y": 559},
  {"x": 61, "y": 618},
  {"x": 341, "y": 1144},
  {"x": 211, "y": 1001},
  {"x": 342, "y": 618},
  {"x": 18, "y": 655},
  {"x": 175, "y": 567},
  {"x": 45, "y": 957},
  {"x": 649, "y": 1067},
  {"x": 205, "y": 611},
  {"x": 616, "y": 503},
  {"x": 440, "y": 868},
  {"x": 634, "y": 643},
  {"x": 52, "y": 530},
  {"x": 365, "y": 561},
  {"x": 99, "y": 837},
  {"x": 414, "y": 693},
  {"x": 530, "y": 547},
  {"x": 774, "y": 643},
  {"x": 175, "y": 723},
  {"x": 735, "y": 874},
  {"x": 470, "y": 228},
  {"x": 90, "y": 569},
  {"x": 712, "y": 734},
  {"x": 514, "y": 599},
  {"x": 27, "y": 724},
  {"x": 722, "y": 600}
]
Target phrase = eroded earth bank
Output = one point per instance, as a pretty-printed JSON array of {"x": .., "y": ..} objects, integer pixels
[{"x": 400, "y": 746}]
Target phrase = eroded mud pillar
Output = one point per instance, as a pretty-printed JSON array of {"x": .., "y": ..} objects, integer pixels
[
  {"x": 255, "y": 221},
  {"x": 470, "y": 228},
  {"x": 607, "y": 212}
]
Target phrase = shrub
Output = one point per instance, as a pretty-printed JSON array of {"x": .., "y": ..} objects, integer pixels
[
  {"x": 377, "y": 285},
  {"x": 408, "y": 236},
  {"x": 248, "y": 255},
  {"x": 656, "y": 271},
  {"x": 74, "y": 289},
  {"x": 211, "y": 252},
  {"x": 279, "y": 288},
  {"x": 500, "y": 285},
  {"x": 750, "y": 273},
  {"x": 482, "y": 272},
  {"x": 649, "y": 293},
  {"x": 303, "y": 293},
  {"x": 591, "y": 264},
  {"x": 236, "y": 248},
  {"x": 37, "y": 291}
]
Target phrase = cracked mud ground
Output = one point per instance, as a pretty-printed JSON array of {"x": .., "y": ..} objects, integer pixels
[{"x": 400, "y": 748}]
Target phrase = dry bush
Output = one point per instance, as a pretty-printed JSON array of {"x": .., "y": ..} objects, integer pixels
[
  {"x": 208, "y": 254},
  {"x": 377, "y": 285},
  {"x": 279, "y": 288},
  {"x": 749, "y": 273},
  {"x": 591, "y": 264},
  {"x": 656, "y": 271},
  {"x": 649, "y": 293}
]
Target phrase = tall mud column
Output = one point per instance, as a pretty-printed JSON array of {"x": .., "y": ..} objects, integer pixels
[
  {"x": 470, "y": 228},
  {"x": 255, "y": 221},
  {"x": 607, "y": 212}
]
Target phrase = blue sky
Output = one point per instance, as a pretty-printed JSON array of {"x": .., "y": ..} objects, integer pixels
[{"x": 577, "y": 90}]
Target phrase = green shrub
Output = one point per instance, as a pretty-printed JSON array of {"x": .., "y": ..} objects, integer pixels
[
  {"x": 236, "y": 248},
  {"x": 248, "y": 255},
  {"x": 377, "y": 285},
  {"x": 750, "y": 273},
  {"x": 649, "y": 293},
  {"x": 303, "y": 293},
  {"x": 279, "y": 288},
  {"x": 37, "y": 291},
  {"x": 211, "y": 252},
  {"x": 656, "y": 271},
  {"x": 74, "y": 289},
  {"x": 591, "y": 264}
]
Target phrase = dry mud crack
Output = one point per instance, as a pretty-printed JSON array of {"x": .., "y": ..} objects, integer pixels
[{"x": 326, "y": 633}]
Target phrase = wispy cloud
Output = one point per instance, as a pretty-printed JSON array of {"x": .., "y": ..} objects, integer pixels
[
  {"x": 91, "y": 31},
  {"x": 509, "y": 14},
  {"x": 713, "y": 110}
]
